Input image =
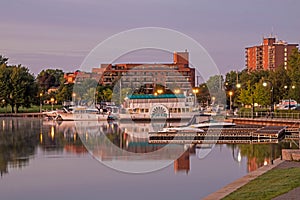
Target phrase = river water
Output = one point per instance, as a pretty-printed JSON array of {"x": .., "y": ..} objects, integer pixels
[{"x": 48, "y": 160}]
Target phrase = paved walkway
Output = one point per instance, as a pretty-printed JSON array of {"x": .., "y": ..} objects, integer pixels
[{"x": 242, "y": 181}]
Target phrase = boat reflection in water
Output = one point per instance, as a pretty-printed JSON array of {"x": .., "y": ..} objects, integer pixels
[
  {"x": 116, "y": 143},
  {"x": 119, "y": 144}
]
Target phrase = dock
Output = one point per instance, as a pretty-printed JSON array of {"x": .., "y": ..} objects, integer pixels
[{"x": 238, "y": 134}]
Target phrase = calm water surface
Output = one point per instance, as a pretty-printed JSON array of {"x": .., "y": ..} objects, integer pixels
[{"x": 47, "y": 160}]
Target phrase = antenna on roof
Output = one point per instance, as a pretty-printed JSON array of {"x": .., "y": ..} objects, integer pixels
[{"x": 272, "y": 31}]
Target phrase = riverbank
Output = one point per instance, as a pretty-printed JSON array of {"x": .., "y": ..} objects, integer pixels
[
  {"x": 29, "y": 115},
  {"x": 244, "y": 188}
]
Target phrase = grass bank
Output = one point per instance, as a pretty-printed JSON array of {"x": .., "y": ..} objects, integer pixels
[
  {"x": 32, "y": 109},
  {"x": 269, "y": 185}
]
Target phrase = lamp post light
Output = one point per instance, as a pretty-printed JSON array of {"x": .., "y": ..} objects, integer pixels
[
  {"x": 265, "y": 84},
  {"x": 177, "y": 91},
  {"x": 41, "y": 95},
  {"x": 195, "y": 91},
  {"x": 159, "y": 91}
]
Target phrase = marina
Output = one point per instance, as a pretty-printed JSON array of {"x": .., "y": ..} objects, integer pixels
[{"x": 238, "y": 134}]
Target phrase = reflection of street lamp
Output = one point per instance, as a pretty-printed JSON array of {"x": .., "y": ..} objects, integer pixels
[
  {"x": 213, "y": 100},
  {"x": 265, "y": 84},
  {"x": 52, "y": 101},
  {"x": 230, "y": 99},
  {"x": 41, "y": 95},
  {"x": 195, "y": 91},
  {"x": 73, "y": 97}
]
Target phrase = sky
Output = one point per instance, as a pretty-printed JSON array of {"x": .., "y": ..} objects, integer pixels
[{"x": 61, "y": 33}]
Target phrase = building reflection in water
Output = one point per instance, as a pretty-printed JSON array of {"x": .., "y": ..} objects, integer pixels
[{"x": 20, "y": 139}]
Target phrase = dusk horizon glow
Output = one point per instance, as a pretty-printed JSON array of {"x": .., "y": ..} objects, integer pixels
[{"x": 59, "y": 34}]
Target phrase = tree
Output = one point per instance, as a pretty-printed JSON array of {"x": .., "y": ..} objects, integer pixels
[
  {"x": 261, "y": 97},
  {"x": 64, "y": 92},
  {"x": 279, "y": 79},
  {"x": 215, "y": 87},
  {"x": 50, "y": 78},
  {"x": 3, "y": 60},
  {"x": 246, "y": 96},
  {"x": 18, "y": 87},
  {"x": 293, "y": 70}
]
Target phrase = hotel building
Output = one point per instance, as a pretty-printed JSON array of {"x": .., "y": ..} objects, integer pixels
[
  {"x": 148, "y": 75},
  {"x": 269, "y": 55}
]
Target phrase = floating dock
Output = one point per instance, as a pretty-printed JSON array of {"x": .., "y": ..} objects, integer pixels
[{"x": 238, "y": 134}]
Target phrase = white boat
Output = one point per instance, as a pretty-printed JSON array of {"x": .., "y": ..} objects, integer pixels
[
  {"x": 212, "y": 124},
  {"x": 79, "y": 113},
  {"x": 185, "y": 128}
]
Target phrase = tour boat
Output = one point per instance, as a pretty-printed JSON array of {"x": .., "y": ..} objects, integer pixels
[
  {"x": 80, "y": 113},
  {"x": 157, "y": 107}
]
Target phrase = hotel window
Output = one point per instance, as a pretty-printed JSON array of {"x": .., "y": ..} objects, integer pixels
[
  {"x": 285, "y": 49},
  {"x": 285, "y": 63},
  {"x": 285, "y": 54},
  {"x": 285, "y": 58}
]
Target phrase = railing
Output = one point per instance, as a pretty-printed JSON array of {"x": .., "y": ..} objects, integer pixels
[{"x": 267, "y": 115}]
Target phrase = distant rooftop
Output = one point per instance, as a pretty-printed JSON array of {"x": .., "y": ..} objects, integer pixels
[{"x": 151, "y": 96}]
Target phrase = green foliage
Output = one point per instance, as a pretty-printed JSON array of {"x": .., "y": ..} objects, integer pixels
[
  {"x": 64, "y": 93},
  {"x": 3, "y": 60},
  {"x": 261, "y": 97},
  {"x": 18, "y": 87},
  {"x": 246, "y": 96},
  {"x": 49, "y": 78},
  {"x": 215, "y": 88}
]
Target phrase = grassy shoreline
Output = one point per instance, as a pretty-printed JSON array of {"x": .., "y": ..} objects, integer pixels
[
  {"x": 32, "y": 109},
  {"x": 269, "y": 185}
]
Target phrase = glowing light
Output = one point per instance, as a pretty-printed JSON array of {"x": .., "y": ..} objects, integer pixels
[
  {"x": 52, "y": 133},
  {"x": 41, "y": 138},
  {"x": 159, "y": 91},
  {"x": 265, "y": 162},
  {"x": 239, "y": 158},
  {"x": 265, "y": 84},
  {"x": 195, "y": 90},
  {"x": 177, "y": 91}
]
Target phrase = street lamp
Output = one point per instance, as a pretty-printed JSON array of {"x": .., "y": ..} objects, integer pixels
[
  {"x": 230, "y": 99},
  {"x": 159, "y": 91},
  {"x": 195, "y": 91},
  {"x": 41, "y": 95},
  {"x": 177, "y": 91},
  {"x": 265, "y": 84},
  {"x": 52, "y": 101}
]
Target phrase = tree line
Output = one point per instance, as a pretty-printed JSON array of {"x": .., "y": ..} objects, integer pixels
[
  {"x": 19, "y": 87},
  {"x": 255, "y": 87}
]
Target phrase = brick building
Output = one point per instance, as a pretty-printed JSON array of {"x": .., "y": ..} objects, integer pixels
[
  {"x": 135, "y": 75},
  {"x": 269, "y": 55}
]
